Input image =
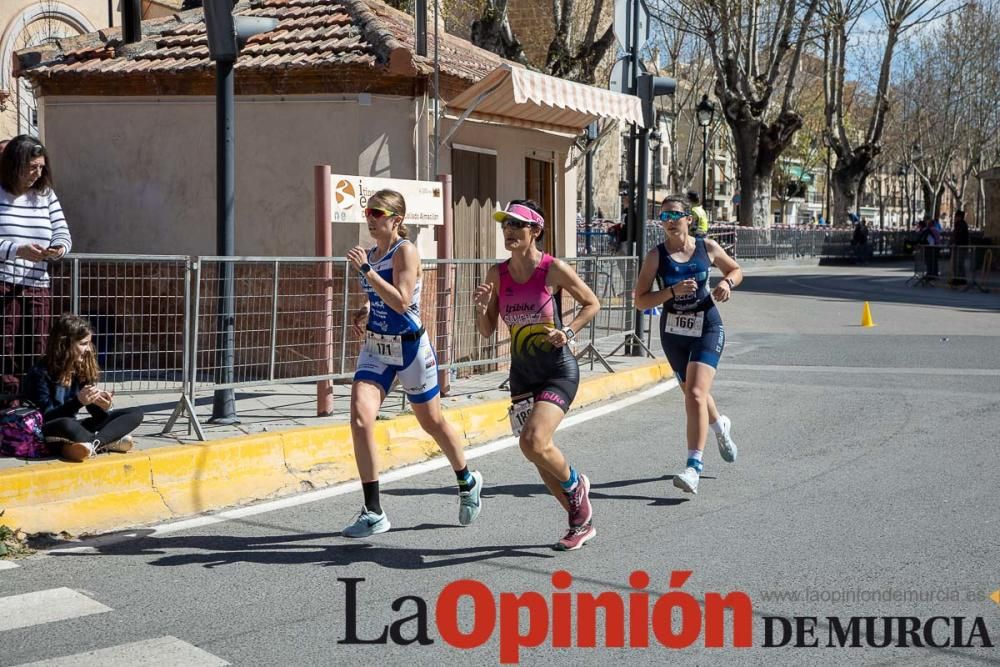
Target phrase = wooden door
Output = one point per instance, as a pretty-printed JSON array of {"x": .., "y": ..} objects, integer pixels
[
  {"x": 539, "y": 186},
  {"x": 474, "y": 199}
]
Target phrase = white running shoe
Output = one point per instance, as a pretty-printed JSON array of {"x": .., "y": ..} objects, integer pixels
[
  {"x": 687, "y": 481},
  {"x": 470, "y": 503},
  {"x": 727, "y": 448},
  {"x": 367, "y": 524}
]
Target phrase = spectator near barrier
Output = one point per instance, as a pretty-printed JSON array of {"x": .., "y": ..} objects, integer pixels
[
  {"x": 33, "y": 232},
  {"x": 859, "y": 241},
  {"x": 959, "y": 248},
  {"x": 63, "y": 382},
  {"x": 699, "y": 218},
  {"x": 930, "y": 238}
]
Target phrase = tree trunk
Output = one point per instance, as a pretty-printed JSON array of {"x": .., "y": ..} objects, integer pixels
[
  {"x": 762, "y": 202},
  {"x": 758, "y": 146},
  {"x": 745, "y": 144},
  {"x": 845, "y": 181},
  {"x": 492, "y": 31},
  {"x": 852, "y": 168},
  {"x": 929, "y": 198}
]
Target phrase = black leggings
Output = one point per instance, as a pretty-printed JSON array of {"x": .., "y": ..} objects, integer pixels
[{"x": 115, "y": 426}]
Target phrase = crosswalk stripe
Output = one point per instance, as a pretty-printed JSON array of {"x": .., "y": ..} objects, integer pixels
[
  {"x": 149, "y": 653},
  {"x": 55, "y": 604},
  {"x": 7, "y": 565}
]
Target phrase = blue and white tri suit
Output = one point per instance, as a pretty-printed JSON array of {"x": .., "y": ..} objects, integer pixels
[
  {"x": 705, "y": 346},
  {"x": 418, "y": 373}
]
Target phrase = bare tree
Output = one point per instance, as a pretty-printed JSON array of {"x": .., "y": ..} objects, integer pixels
[
  {"x": 578, "y": 43},
  {"x": 979, "y": 109},
  {"x": 492, "y": 32},
  {"x": 756, "y": 48},
  {"x": 954, "y": 129},
  {"x": 686, "y": 60},
  {"x": 793, "y": 174},
  {"x": 856, "y": 155}
]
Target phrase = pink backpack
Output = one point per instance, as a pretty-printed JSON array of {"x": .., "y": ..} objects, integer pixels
[{"x": 21, "y": 433}]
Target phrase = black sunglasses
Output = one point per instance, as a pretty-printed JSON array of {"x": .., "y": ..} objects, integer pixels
[{"x": 516, "y": 223}]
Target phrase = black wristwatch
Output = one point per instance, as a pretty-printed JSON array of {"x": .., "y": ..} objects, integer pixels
[
  {"x": 732, "y": 283},
  {"x": 365, "y": 268}
]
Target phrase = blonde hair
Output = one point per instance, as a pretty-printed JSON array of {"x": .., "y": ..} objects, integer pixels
[{"x": 393, "y": 201}]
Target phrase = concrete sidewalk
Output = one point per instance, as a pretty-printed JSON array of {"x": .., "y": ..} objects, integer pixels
[{"x": 279, "y": 448}]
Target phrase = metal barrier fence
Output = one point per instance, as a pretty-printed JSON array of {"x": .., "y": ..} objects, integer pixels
[
  {"x": 140, "y": 306},
  {"x": 775, "y": 242},
  {"x": 159, "y": 329},
  {"x": 963, "y": 267}
]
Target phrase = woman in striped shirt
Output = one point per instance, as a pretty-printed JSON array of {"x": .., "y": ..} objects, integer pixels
[{"x": 33, "y": 232}]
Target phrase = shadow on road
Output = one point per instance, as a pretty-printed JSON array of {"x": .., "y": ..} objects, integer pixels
[
  {"x": 539, "y": 490},
  {"x": 885, "y": 285},
  {"x": 219, "y": 550}
]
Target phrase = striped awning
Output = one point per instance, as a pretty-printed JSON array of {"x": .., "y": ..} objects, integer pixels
[{"x": 520, "y": 97}]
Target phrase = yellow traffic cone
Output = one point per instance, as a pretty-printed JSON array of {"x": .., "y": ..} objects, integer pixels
[{"x": 866, "y": 316}]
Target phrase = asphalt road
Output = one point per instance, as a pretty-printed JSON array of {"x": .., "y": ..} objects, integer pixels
[{"x": 866, "y": 486}]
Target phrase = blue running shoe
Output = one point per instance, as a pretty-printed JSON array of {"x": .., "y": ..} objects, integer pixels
[
  {"x": 470, "y": 503},
  {"x": 367, "y": 524}
]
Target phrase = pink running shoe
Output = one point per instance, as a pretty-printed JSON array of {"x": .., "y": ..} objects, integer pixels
[
  {"x": 580, "y": 512},
  {"x": 576, "y": 537}
]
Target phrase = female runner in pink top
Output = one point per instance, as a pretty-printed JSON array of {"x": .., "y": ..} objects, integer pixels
[{"x": 525, "y": 291}]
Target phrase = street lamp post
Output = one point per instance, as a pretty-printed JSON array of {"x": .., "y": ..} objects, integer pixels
[
  {"x": 916, "y": 155},
  {"x": 226, "y": 35},
  {"x": 654, "y": 148},
  {"x": 903, "y": 171},
  {"x": 705, "y": 112}
]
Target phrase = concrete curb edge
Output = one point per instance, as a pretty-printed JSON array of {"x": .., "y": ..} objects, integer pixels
[{"x": 125, "y": 490}]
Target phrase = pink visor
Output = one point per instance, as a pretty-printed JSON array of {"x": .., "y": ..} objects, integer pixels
[{"x": 519, "y": 212}]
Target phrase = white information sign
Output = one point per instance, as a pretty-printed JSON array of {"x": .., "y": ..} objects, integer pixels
[
  {"x": 623, "y": 22},
  {"x": 424, "y": 200}
]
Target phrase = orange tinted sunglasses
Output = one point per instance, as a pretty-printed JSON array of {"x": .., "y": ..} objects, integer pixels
[{"x": 377, "y": 213}]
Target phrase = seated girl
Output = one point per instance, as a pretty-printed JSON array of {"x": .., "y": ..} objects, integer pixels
[{"x": 63, "y": 381}]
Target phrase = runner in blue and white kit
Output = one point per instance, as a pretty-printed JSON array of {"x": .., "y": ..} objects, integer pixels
[
  {"x": 690, "y": 327},
  {"x": 396, "y": 347}
]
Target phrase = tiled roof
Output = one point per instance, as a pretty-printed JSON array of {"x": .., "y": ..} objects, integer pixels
[
  {"x": 172, "y": 4},
  {"x": 310, "y": 34}
]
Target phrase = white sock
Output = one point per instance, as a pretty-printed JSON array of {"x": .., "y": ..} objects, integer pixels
[
  {"x": 717, "y": 425},
  {"x": 694, "y": 454}
]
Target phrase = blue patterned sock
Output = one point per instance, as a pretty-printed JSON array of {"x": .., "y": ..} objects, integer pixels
[
  {"x": 570, "y": 483},
  {"x": 466, "y": 481}
]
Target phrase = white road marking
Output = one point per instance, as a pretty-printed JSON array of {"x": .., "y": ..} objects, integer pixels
[
  {"x": 353, "y": 487},
  {"x": 867, "y": 370},
  {"x": 7, "y": 565},
  {"x": 54, "y": 604},
  {"x": 151, "y": 653}
]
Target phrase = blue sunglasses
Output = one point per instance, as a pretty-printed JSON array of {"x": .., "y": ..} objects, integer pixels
[{"x": 672, "y": 215}]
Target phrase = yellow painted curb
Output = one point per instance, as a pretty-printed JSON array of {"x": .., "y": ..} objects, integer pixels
[{"x": 124, "y": 490}]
